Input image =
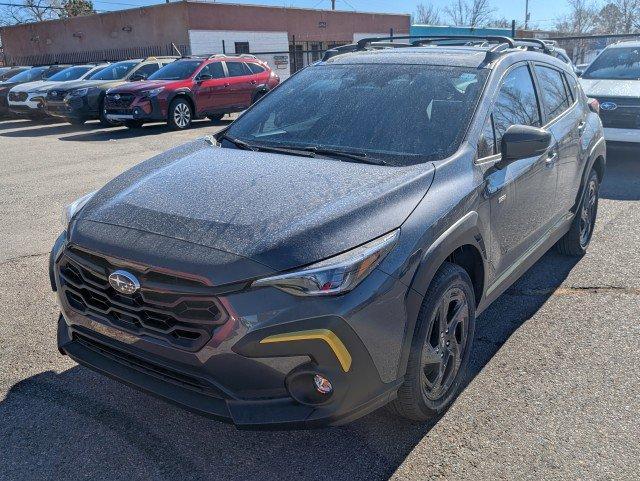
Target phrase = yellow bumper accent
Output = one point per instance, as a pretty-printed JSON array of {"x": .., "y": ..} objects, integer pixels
[{"x": 325, "y": 335}]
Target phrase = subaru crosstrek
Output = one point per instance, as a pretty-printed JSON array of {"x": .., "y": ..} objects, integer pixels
[
  {"x": 192, "y": 88},
  {"x": 329, "y": 251}
]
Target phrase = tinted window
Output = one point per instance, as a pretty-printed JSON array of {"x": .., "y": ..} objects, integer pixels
[
  {"x": 486, "y": 144},
  {"x": 236, "y": 69},
  {"x": 616, "y": 63},
  {"x": 11, "y": 73},
  {"x": 517, "y": 103},
  {"x": 29, "y": 75},
  {"x": 404, "y": 114},
  {"x": 574, "y": 88},
  {"x": 71, "y": 73},
  {"x": 115, "y": 71},
  {"x": 214, "y": 69},
  {"x": 176, "y": 70},
  {"x": 51, "y": 72},
  {"x": 255, "y": 68},
  {"x": 147, "y": 69},
  {"x": 554, "y": 93}
]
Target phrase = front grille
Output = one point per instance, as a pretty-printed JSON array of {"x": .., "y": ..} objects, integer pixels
[
  {"x": 118, "y": 101},
  {"x": 177, "y": 310},
  {"x": 17, "y": 96},
  {"x": 171, "y": 375},
  {"x": 625, "y": 116}
]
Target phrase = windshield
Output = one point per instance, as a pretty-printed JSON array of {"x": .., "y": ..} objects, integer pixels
[
  {"x": 28, "y": 75},
  {"x": 402, "y": 114},
  {"x": 115, "y": 71},
  {"x": 618, "y": 63},
  {"x": 180, "y": 70},
  {"x": 71, "y": 73}
]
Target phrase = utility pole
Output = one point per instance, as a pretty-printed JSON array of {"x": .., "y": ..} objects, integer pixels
[
  {"x": 526, "y": 14},
  {"x": 333, "y": 4}
]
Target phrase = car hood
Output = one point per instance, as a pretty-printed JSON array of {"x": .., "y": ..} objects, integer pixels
[
  {"x": 101, "y": 84},
  {"x": 279, "y": 211},
  {"x": 141, "y": 86},
  {"x": 610, "y": 88},
  {"x": 37, "y": 85}
]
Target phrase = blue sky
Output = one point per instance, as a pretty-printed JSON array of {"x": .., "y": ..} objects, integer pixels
[{"x": 543, "y": 12}]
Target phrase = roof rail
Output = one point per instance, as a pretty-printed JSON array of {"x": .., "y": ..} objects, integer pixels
[
  {"x": 247, "y": 55},
  {"x": 534, "y": 43}
]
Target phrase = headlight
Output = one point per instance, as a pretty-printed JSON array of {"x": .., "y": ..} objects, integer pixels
[
  {"x": 72, "y": 209},
  {"x": 336, "y": 275},
  {"x": 79, "y": 92},
  {"x": 154, "y": 92}
]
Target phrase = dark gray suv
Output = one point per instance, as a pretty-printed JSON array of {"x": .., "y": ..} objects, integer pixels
[{"x": 328, "y": 252}]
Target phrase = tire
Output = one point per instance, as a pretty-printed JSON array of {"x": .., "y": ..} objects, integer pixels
[
  {"x": 258, "y": 96},
  {"x": 439, "y": 355},
  {"x": 133, "y": 124},
  {"x": 77, "y": 122},
  {"x": 575, "y": 242},
  {"x": 180, "y": 114},
  {"x": 216, "y": 118}
]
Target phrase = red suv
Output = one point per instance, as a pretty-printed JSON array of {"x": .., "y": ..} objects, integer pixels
[{"x": 191, "y": 88}]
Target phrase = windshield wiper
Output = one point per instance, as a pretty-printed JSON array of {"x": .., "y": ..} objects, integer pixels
[
  {"x": 364, "y": 158},
  {"x": 238, "y": 143}
]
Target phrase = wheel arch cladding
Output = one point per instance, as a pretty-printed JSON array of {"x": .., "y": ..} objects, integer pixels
[{"x": 183, "y": 94}]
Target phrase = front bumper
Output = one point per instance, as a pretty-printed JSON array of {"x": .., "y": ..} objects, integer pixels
[
  {"x": 622, "y": 135},
  {"x": 31, "y": 107},
  {"x": 237, "y": 376},
  {"x": 143, "y": 109},
  {"x": 75, "y": 108}
]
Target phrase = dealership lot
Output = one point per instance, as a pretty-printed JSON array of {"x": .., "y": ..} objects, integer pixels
[{"x": 553, "y": 393}]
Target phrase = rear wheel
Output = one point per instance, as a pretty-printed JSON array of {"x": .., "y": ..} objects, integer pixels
[
  {"x": 180, "y": 114},
  {"x": 133, "y": 124},
  {"x": 440, "y": 348},
  {"x": 216, "y": 117},
  {"x": 576, "y": 241}
]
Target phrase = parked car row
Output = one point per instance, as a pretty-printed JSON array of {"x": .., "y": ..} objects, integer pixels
[{"x": 132, "y": 92}]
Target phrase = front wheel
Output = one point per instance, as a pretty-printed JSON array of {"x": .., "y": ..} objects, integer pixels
[
  {"x": 102, "y": 116},
  {"x": 575, "y": 242},
  {"x": 180, "y": 114},
  {"x": 440, "y": 347}
]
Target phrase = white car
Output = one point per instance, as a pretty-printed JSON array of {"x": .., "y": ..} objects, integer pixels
[
  {"x": 613, "y": 78},
  {"x": 26, "y": 98}
]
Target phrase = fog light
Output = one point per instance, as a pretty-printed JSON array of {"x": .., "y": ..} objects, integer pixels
[{"x": 323, "y": 385}]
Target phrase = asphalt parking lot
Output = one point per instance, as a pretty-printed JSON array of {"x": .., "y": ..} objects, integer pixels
[{"x": 554, "y": 392}]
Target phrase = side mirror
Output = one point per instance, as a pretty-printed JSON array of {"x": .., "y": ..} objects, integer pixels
[
  {"x": 138, "y": 76},
  {"x": 521, "y": 142},
  {"x": 202, "y": 78}
]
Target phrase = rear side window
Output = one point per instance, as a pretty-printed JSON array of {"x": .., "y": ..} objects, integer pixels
[
  {"x": 147, "y": 69},
  {"x": 214, "y": 69},
  {"x": 517, "y": 103},
  {"x": 554, "y": 94},
  {"x": 255, "y": 68},
  {"x": 237, "y": 69}
]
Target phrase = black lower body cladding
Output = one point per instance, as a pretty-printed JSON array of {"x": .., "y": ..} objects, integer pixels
[{"x": 254, "y": 362}]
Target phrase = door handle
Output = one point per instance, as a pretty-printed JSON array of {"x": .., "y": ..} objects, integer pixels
[
  {"x": 581, "y": 127},
  {"x": 551, "y": 158}
]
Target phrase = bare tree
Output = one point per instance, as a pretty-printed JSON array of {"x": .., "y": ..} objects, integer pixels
[
  {"x": 427, "y": 14},
  {"x": 38, "y": 10},
  {"x": 581, "y": 19},
  {"x": 629, "y": 15},
  {"x": 470, "y": 13}
]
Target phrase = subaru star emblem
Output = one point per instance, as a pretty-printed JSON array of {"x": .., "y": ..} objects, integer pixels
[
  {"x": 116, "y": 97},
  {"x": 608, "y": 106},
  {"x": 124, "y": 282}
]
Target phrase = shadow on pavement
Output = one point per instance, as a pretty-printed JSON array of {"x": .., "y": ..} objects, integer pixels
[
  {"x": 78, "y": 424},
  {"x": 35, "y": 129}
]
